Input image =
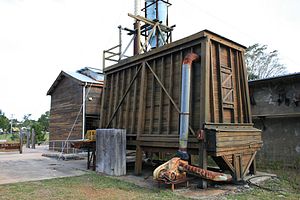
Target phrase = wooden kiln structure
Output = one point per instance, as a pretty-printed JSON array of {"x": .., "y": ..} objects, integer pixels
[{"x": 142, "y": 95}]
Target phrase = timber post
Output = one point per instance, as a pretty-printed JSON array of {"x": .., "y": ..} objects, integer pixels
[
  {"x": 32, "y": 139},
  {"x": 27, "y": 138},
  {"x": 111, "y": 151},
  {"x": 138, "y": 160},
  {"x": 21, "y": 141}
]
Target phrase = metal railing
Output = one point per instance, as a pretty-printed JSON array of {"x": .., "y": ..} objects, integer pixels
[{"x": 63, "y": 145}]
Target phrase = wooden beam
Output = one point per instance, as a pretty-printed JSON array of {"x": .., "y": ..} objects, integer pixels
[
  {"x": 231, "y": 66},
  {"x": 116, "y": 92},
  {"x": 249, "y": 164},
  {"x": 122, "y": 93},
  {"x": 228, "y": 163},
  {"x": 238, "y": 88},
  {"x": 142, "y": 101},
  {"x": 133, "y": 113},
  {"x": 110, "y": 104},
  {"x": 138, "y": 160},
  {"x": 102, "y": 111},
  {"x": 246, "y": 89},
  {"x": 128, "y": 100},
  {"x": 160, "y": 116},
  {"x": 152, "y": 100},
  {"x": 204, "y": 105},
  {"x": 212, "y": 85},
  {"x": 221, "y": 109},
  {"x": 237, "y": 163},
  {"x": 150, "y": 22},
  {"x": 171, "y": 93}
]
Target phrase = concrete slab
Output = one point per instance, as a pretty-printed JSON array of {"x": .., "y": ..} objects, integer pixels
[{"x": 31, "y": 166}]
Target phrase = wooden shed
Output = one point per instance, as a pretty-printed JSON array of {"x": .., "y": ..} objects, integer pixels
[
  {"x": 75, "y": 106},
  {"x": 142, "y": 95}
]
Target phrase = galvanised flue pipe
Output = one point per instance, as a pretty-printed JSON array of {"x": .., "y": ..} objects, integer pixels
[
  {"x": 185, "y": 103},
  {"x": 157, "y": 10}
]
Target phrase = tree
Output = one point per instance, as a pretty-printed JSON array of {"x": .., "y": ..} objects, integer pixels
[
  {"x": 4, "y": 122},
  {"x": 44, "y": 121},
  {"x": 39, "y": 133},
  {"x": 263, "y": 64},
  {"x": 41, "y": 127},
  {"x": 27, "y": 122}
]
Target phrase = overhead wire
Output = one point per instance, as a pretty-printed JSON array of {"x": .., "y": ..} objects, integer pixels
[
  {"x": 193, "y": 5},
  {"x": 117, "y": 21}
]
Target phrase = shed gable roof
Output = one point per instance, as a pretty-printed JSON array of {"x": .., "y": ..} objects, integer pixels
[{"x": 78, "y": 77}]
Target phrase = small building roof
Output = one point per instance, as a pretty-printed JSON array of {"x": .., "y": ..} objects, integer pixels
[
  {"x": 294, "y": 76},
  {"x": 85, "y": 75}
]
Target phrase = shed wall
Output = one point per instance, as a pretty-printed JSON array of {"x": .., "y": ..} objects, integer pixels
[
  {"x": 93, "y": 100},
  {"x": 66, "y": 101},
  {"x": 276, "y": 111}
]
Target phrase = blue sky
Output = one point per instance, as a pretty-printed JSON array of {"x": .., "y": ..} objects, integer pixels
[{"x": 39, "y": 38}]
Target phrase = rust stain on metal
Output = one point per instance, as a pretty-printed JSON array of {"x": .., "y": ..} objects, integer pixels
[{"x": 190, "y": 58}]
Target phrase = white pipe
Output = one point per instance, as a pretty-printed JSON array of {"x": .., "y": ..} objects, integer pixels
[
  {"x": 137, "y": 7},
  {"x": 83, "y": 109}
]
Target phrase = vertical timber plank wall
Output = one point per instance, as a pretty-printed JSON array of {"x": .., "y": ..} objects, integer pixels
[
  {"x": 66, "y": 101},
  {"x": 93, "y": 100}
]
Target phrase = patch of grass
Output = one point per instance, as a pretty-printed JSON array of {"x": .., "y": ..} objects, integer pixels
[
  {"x": 7, "y": 137},
  {"x": 89, "y": 186},
  {"x": 285, "y": 186}
]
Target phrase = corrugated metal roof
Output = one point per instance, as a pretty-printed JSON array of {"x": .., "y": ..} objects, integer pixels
[
  {"x": 84, "y": 78},
  {"x": 78, "y": 77}
]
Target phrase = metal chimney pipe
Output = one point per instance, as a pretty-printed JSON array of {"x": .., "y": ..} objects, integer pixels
[
  {"x": 157, "y": 10},
  {"x": 185, "y": 104},
  {"x": 137, "y": 7}
]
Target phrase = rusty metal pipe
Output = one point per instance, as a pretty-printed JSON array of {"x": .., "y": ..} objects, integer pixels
[
  {"x": 203, "y": 173},
  {"x": 185, "y": 103}
]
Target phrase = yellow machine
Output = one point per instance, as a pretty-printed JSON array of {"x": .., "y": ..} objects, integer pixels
[{"x": 91, "y": 135}]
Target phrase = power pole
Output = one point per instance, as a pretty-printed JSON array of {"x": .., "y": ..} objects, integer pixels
[
  {"x": 11, "y": 122},
  {"x": 137, "y": 28}
]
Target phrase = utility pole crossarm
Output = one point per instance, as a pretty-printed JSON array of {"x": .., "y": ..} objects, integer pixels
[{"x": 151, "y": 22}]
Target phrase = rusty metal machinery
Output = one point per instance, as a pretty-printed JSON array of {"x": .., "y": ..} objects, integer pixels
[{"x": 176, "y": 170}]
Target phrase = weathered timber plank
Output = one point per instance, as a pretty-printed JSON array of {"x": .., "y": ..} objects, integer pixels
[{"x": 111, "y": 151}]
